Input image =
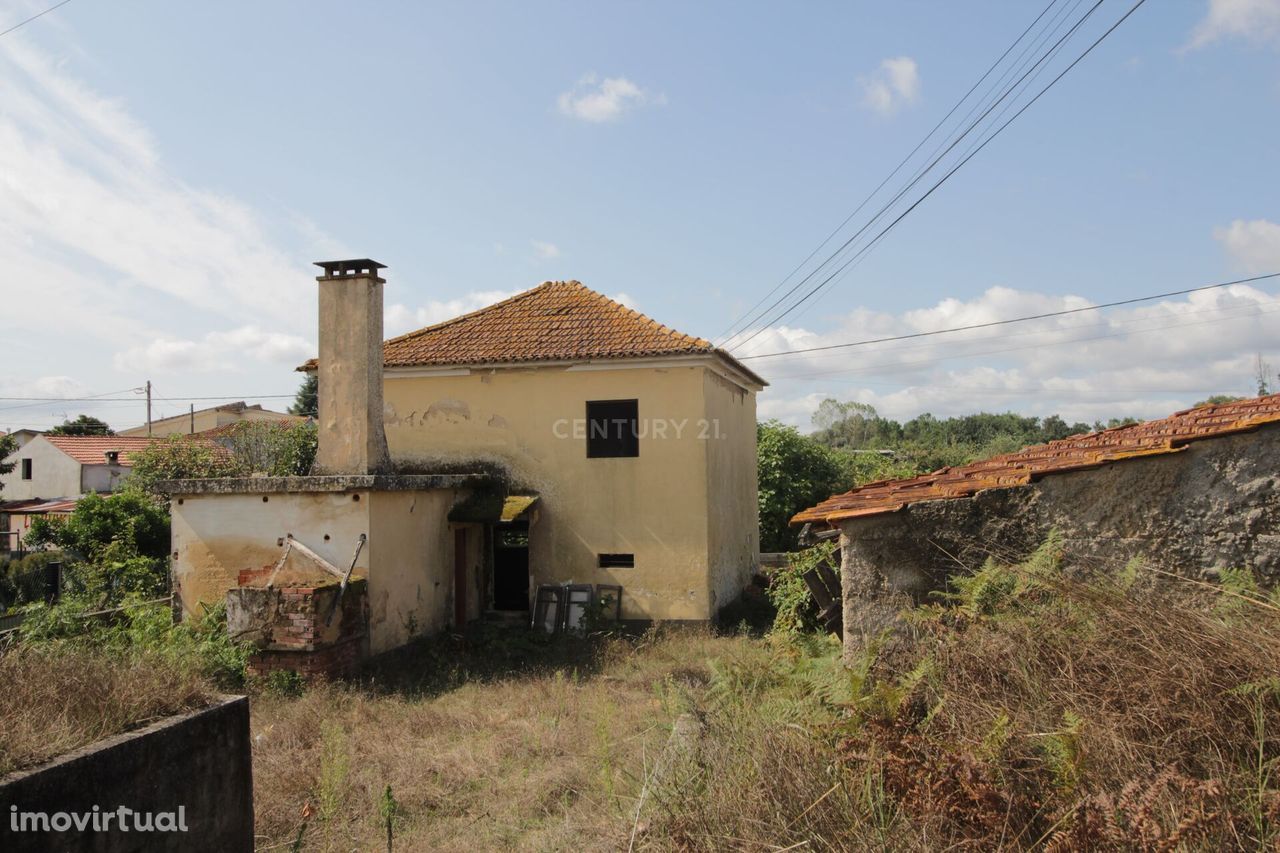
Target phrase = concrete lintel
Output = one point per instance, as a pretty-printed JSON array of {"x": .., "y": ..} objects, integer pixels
[{"x": 323, "y": 483}]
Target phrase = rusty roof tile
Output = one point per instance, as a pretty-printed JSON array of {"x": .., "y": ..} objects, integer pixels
[
  {"x": 555, "y": 321},
  {"x": 1077, "y": 452}
]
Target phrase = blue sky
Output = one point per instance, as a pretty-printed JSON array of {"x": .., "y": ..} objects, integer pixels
[{"x": 168, "y": 172}]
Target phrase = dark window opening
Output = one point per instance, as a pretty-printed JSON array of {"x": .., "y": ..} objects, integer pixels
[
  {"x": 617, "y": 561},
  {"x": 26, "y": 469},
  {"x": 613, "y": 428}
]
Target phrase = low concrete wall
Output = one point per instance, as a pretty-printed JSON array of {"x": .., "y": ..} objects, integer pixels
[
  {"x": 196, "y": 768},
  {"x": 1215, "y": 504}
]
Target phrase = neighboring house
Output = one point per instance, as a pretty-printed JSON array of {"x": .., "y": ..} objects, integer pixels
[
  {"x": 16, "y": 518},
  {"x": 64, "y": 466},
  {"x": 22, "y": 436},
  {"x": 635, "y": 443},
  {"x": 202, "y": 420},
  {"x": 1192, "y": 494}
]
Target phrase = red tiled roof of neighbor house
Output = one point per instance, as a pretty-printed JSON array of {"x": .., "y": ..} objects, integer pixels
[
  {"x": 92, "y": 449},
  {"x": 1077, "y": 452},
  {"x": 555, "y": 321}
]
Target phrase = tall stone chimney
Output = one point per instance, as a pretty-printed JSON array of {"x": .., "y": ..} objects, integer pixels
[{"x": 350, "y": 431}]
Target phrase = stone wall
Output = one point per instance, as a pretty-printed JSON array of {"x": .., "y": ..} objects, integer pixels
[
  {"x": 1214, "y": 504},
  {"x": 196, "y": 768}
]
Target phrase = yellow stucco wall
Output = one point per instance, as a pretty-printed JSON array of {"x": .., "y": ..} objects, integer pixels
[
  {"x": 664, "y": 506},
  {"x": 733, "y": 530},
  {"x": 408, "y": 558}
]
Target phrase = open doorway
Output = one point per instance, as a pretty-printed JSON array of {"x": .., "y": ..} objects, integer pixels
[{"x": 511, "y": 566}]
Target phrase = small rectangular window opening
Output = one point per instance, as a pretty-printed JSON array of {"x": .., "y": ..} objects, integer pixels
[
  {"x": 26, "y": 469},
  {"x": 617, "y": 561},
  {"x": 613, "y": 428}
]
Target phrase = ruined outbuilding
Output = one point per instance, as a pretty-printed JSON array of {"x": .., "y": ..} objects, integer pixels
[
  {"x": 321, "y": 571},
  {"x": 1191, "y": 494}
]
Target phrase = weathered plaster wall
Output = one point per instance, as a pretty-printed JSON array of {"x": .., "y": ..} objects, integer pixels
[
  {"x": 733, "y": 530},
  {"x": 654, "y": 506},
  {"x": 200, "y": 761},
  {"x": 350, "y": 374},
  {"x": 1214, "y": 504},
  {"x": 411, "y": 584},
  {"x": 408, "y": 557}
]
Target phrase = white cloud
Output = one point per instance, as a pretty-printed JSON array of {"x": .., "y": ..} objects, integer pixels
[
  {"x": 1254, "y": 246},
  {"x": 225, "y": 351},
  {"x": 544, "y": 251},
  {"x": 595, "y": 100},
  {"x": 1254, "y": 20},
  {"x": 626, "y": 300},
  {"x": 895, "y": 83},
  {"x": 398, "y": 319},
  {"x": 1146, "y": 361}
]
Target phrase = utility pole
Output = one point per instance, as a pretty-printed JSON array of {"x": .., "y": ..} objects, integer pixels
[
  {"x": 193, "y": 418},
  {"x": 148, "y": 408}
]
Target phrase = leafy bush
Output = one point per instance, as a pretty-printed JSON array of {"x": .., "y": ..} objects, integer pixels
[
  {"x": 22, "y": 579},
  {"x": 795, "y": 472},
  {"x": 276, "y": 448},
  {"x": 796, "y": 612},
  {"x": 115, "y": 545},
  {"x": 177, "y": 457},
  {"x": 141, "y": 628}
]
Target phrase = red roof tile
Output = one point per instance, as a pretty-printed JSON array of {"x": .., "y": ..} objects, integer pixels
[
  {"x": 92, "y": 449},
  {"x": 1077, "y": 452},
  {"x": 555, "y": 321}
]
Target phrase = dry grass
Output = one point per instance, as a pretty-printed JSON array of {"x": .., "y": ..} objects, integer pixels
[
  {"x": 545, "y": 757},
  {"x": 56, "y": 699},
  {"x": 1039, "y": 710}
]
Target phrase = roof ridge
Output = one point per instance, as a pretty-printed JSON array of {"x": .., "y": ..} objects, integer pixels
[{"x": 486, "y": 309}]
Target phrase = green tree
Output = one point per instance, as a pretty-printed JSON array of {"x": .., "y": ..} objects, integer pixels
[
  {"x": 795, "y": 472},
  {"x": 272, "y": 447},
  {"x": 179, "y": 457},
  {"x": 8, "y": 444},
  {"x": 82, "y": 425},
  {"x": 1217, "y": 400},
  {"x": 307, "y": 400}
]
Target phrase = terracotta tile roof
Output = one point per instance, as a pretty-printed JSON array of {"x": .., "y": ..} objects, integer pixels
[
  {"x": 91, "y": 449},
  {"x": 1077, "y": 452},
  {"x": 555, "y": 321}
]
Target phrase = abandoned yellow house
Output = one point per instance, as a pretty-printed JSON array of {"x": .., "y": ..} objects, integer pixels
[
  {"x": 634, "y": 444},
  {"x": 554, "y": 438}
]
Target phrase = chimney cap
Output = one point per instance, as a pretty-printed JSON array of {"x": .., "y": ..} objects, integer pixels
[{"x": 350, "y": 268}]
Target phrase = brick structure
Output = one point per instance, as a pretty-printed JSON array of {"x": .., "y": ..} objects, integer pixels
[{"x": 292, "y": 630}]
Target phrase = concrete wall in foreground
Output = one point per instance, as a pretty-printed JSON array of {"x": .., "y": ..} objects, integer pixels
[
  {"x": 199, "y": 763},
  {"x": 1214, "y": 504}
]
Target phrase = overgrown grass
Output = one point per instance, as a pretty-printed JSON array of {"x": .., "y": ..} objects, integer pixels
[
  {"x": 59, "y": 698},
  {"x": 1037, "y": 708}
]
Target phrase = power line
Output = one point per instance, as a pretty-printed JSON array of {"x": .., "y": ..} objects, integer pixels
[
  {"x": 33, "y": 17},
  {"x": 876, "y": 240},
  {"x": 880, "y": 186},
  {"x": 868, "y": 368},
  {"x": 105, "y": 399},
  {"x": 936, "y": 156},
  {"x": 1011, "y": 320}
]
